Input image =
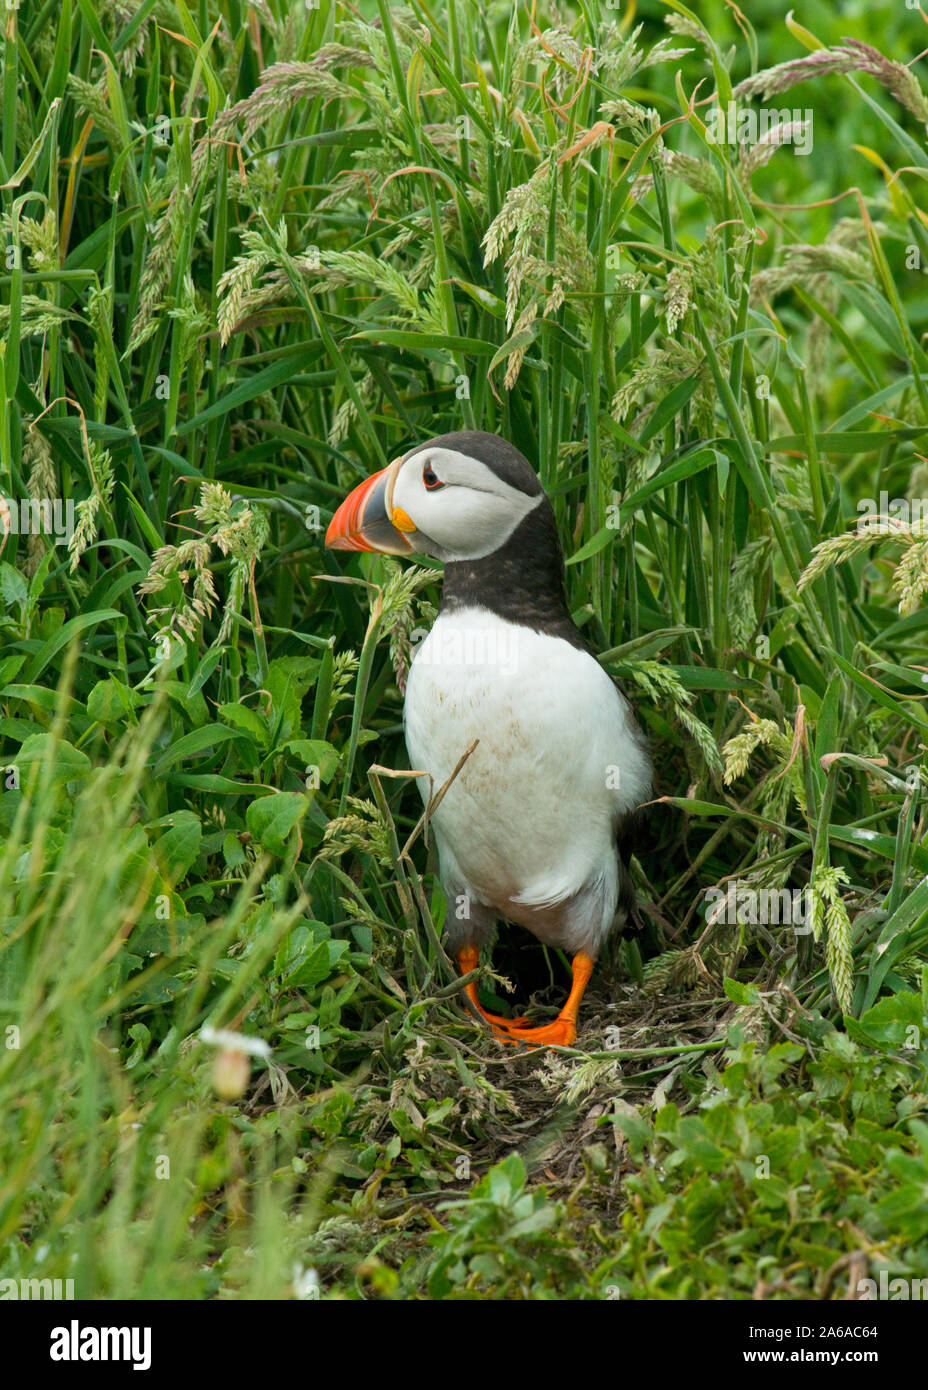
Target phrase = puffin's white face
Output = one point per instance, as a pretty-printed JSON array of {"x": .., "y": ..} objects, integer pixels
[
  {"x": 459, "y": 509},
  {"x": 436, "y": 500}
]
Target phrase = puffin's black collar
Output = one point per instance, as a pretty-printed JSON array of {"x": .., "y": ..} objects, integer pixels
[{"x": 522, "y": 581}]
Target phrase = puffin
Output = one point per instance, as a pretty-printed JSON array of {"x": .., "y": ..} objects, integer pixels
[{"x": 537, "y": 827}]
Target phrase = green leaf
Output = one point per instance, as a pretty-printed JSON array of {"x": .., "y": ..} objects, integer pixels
[
  {"x": 844, "y": 441},
  {"x": 604, "y": 536},
  {"x": 249, "y": 720},
  {"x": 13, "y": 587},
  {"x": 232, "y": 851},
  {"x": 10, "y": 667},
  {"x": 433, "y": 342},
  {"x": 303, "y": 961},
  {"x": 195, "y": 742},
  {"x": 896, "y": 1021},
  {"x": 484, "y": 297},
  {"x": 64, "y": 635},
  {"x": 739, "y": 993},
  {"x": 284, "y": 369},
  {"x": 176, "y": 850},
  {"x": 111, "y": 700},
  {"x": 522, "y": 339},
  {"x": 145, "y": 524},
  {"x": 878, "y": 695},
  {"x": 670, "y": 407},
  {"x": 635, "y": 1128},
  {"x": 141, "y": 1037},
  {"x": 674, "y": 473},
  {"x": 68, "y": 763},
  {"x": 271, "y": 819},
  {"x": 205, "y": 669},
  {"x": 313, "y": 753}
]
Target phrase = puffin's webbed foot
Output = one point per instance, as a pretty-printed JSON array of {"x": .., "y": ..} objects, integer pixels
[
  {"x": 467, "y": 961},
  {"x": 563, "y": 1031}
]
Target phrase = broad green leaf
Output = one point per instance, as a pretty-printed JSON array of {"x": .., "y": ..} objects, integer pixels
[
  {"x": 63, "y": 636},
  {"x": 271, "y": 819},
  {"x": 177, "y": 848},
  {"x": 197, "y": 741},
  {"x": 69, "y": 764},
  {"x": 111, "y": 701},
  {"x": 249, "y": 720}
]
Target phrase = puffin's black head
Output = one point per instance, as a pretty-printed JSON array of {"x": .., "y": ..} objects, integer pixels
[
  {"x": 472, "y": 500},
  {"x": 458, "y": 497}
]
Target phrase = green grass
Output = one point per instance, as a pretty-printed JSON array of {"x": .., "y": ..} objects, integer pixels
[{"x": 251, "y": 256}]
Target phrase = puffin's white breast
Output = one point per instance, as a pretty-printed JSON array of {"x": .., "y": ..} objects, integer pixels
[{"x": 530, "y": 819}]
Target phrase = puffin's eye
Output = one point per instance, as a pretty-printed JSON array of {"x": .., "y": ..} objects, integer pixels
[{"x": 431, "y": 479}]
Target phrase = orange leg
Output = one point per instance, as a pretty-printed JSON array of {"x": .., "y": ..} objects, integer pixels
[
  {"x": 467, "y": 961},
  {"x": 563, "y": 1031}
]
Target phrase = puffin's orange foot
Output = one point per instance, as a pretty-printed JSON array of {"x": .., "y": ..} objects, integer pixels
[
  {"x": 497, "y": 1021},
  {"x": 467, "y": 960},
  {"x": 517, "y": 1031},
  {"x": 561, "y": 1033}
]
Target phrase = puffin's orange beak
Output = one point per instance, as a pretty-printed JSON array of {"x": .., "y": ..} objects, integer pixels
[{"x": 366, "y": 520}]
